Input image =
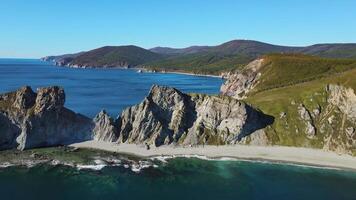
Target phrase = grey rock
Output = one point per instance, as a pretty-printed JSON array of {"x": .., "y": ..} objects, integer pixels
[
  {"x": 238, "y": 85},
  {"x": 105, "y": 128},
  {"x": 29, "y": 120},
  {"x": 350, "y": 131},
  {"x": 168, "y": 116},
  {"x": 344, "y": 98},
  {"x": 306, "y": 117}
]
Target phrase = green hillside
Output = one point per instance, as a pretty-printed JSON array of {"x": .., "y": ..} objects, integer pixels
[
  {"x": 116, "y": 56},
  {"x": 229, "y": 56},
  {"x": 307, "y": 85},
  {"x": 232, "y": 55},
  {"x": 281, "y": 70}
]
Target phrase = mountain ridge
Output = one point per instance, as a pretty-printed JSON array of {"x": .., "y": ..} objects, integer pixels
[{"x": 214, "y": 60}]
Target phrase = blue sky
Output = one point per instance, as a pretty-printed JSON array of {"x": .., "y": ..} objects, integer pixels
[{"x": 35, "y": 28}]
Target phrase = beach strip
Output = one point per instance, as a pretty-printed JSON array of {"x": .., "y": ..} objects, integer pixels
[{"x": 294, "y": 155}]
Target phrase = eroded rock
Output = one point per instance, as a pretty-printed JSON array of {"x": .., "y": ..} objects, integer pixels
[
  {"x": 169, "y": 116},
  {"x": 29, "y": 120},
  {"x": 239, "y": 84},
  {"x": 306, "y": 117}
]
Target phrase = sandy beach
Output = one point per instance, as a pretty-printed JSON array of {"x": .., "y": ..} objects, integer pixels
[{"x": 305, "y": 156}]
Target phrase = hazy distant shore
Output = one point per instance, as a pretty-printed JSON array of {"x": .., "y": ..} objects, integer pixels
[{"x": 312, "y": 157}]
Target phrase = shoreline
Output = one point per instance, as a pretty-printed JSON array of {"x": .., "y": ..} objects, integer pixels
[
  {"x": 189, "y": 74},
  {"x": 144, "y": 70},
  {"x": 274, "y": 154}
]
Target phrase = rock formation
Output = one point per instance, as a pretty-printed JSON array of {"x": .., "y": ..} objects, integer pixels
[
  {"x": 239, "y": 84},
  {"x": 105, "y": 128},
  {"x": 168, "y": 116},
  {"x": 306, "y": 117},
  {"x": 29, "y": 120}
]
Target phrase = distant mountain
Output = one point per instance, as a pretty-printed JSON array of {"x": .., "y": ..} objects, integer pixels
[
  {"x": 196, "y": 59},
  {"x": 236, "y": 53},
  {"x": 175, "y": 51},
  {"x": 115, "y": 56},
  {"x": 346, "y": 50}
]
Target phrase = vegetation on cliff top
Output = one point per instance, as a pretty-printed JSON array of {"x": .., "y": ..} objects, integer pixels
[
  {"x": 289, "y": 81},
  {"x": 280, "y": 70}
]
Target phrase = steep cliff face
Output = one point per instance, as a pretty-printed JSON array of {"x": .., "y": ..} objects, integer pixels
[
  {"x": 29, "y": 120},
  {"x": 168, "y": 116},
  {"x": 239, "y": 84}
]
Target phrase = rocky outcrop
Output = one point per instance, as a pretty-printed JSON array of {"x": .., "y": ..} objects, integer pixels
[
  {"x": 344, "y": 99},
  {"x": 105, "y": 128},
  {"x": 239, "y": 84},
  {"x": 306, "y": 117},
  {"x": 29, "y": 120},
  {"x": 168, "y": 116}
]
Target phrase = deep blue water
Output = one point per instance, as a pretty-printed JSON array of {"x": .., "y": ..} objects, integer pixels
[{"x": 90, "y": 90}]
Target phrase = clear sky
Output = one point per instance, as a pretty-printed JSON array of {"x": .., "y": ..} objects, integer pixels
[{"x": 35, "y": 28}]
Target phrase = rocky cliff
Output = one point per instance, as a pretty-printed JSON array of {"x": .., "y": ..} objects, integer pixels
[
  {"x": 238, "y": 85},
  {"x": 29, "y": 119},
  {"x": 312, "y": 99},
  {"x": 168, "y": 116}
]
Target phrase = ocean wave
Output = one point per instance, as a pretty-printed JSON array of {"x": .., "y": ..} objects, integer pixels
[
  {"x": 91, "y": 167},
  {"x": 164, "y": 159},
  {"x": 6, "y": 165}
]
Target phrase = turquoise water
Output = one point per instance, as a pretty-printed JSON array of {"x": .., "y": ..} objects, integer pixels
[
  {"x": 180, "y": 178},
  {"x": 90, "y": 90}
]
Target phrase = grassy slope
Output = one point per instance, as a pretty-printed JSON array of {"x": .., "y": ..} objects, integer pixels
[
  {"x": 289, "y": 130},
  {"x": 289, "y": 69},
  {"x": 206, "y": 63}
]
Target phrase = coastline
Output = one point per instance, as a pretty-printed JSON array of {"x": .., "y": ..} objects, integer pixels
[
  {"x": 189, "y": 74},
  {"x": 276, "y": 154},
  {"x": 144, "y": 70}
]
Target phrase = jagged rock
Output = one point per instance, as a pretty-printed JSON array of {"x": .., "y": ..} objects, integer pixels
[
  {"x": 51, "y": 98},
  {"x": 282, "y": 115},
  {"x": 350, "y": 131},
  {"x": 29, "y": 120},
  {"x": 105, "y": 128},
  {"x": 305, "y": 116},
  {"x": 239, "y": 84},
  {"x": 25, "y": 98},
  {"x": 344, "y": 99},
  {"x": 169, "y": 116}
]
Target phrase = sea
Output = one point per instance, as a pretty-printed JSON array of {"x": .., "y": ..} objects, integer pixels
[{"x": 90, "y": 90}]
